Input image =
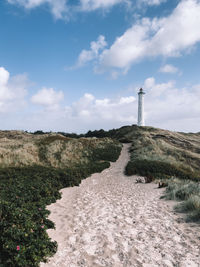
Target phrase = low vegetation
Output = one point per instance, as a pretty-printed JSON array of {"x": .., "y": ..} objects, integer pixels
[
  {"x": 43, "y": 165},
  {"x": 188, "y": 193},
  {"x": 159, "y": 170},
  {"x": 161, "y": 154},
  {"x": 20, "y": 149}
]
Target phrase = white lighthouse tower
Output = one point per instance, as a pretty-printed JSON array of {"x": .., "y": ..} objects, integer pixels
[{"x": 141, "y": 94}]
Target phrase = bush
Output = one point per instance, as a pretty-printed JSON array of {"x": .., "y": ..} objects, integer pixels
[
  {"x": 24, "y": 194},
  {"x": 110, "y": 153},
  {"x": 158, "y": 169}
]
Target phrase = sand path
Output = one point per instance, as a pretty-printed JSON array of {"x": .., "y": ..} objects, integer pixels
[{"x": 109, "y": 220}]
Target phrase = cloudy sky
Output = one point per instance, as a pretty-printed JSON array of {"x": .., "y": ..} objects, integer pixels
[{"x": 77, "y": 65}]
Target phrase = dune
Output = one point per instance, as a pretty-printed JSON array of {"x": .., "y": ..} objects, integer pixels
[{"x": 110, "y": 220}]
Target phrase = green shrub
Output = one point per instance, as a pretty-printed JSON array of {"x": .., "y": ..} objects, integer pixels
[
  {"x": 158, "y": 169},
  {"x": 24, "y": 194},
  {"x": 110, "y": 153}
]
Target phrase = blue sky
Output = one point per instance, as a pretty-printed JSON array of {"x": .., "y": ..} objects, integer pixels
[{"x": 77, "y": 65}]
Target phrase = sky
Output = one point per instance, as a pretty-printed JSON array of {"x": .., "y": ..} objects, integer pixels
[{"x": 77, "y": 65}]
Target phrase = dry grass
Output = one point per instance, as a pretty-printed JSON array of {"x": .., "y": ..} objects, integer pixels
[
  {"x": 178, "y": 149},
  {"x": 23, "y": 149},
  {"x": 188, "y": 193}
]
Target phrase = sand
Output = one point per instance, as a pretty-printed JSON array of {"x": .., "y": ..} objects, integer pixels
[{"x": 110, "y": 220}]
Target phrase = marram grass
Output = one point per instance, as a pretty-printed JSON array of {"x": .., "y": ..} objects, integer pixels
[{"x": 188, "y": 193}]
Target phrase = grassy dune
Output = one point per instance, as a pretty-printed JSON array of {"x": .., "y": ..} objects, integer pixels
[
  {"x": 158, "y": 153},
  {"x": 161, "y": 154},
  {"x": 20, "y": 149},
  {"x": 33, "y": 170},
  {"x": 172, "y": 157}
]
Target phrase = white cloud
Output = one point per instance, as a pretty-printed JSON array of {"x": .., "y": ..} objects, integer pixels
[
  {"x": 12, "y": 90},
  {"x": 152, "y": 2},
  {"x": 94, "y": 111},
  {"x": 90, "y": 5},
  {"x": 4, "y": 76},
  {"x": 81, "y": 106},
  {"x": 88, "y": 55},
  {"x": 58, "y": 8},
  {"x": 5, "y": 92},
  {"x": 48, "y": 97},
  {"x": 168, "y": 37},
  {"x": 157, "y": 90},
  {"x": 87, "y": 113},
  {"x": 149, "y": 83},
  {"x": 166, "y": 106},
  {"x": 127, "y": 100},
  {"x": 168, "y": 69},
  {"x": 61, "y": 9}
]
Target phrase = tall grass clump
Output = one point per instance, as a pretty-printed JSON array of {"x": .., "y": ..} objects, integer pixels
[{"x": 188, "y": 193}]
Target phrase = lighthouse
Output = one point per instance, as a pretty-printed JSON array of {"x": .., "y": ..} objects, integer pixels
[{"x": 141, "y": 94}]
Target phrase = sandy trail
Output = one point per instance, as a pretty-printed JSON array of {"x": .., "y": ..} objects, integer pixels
[{"x": 109, "y": 220}]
